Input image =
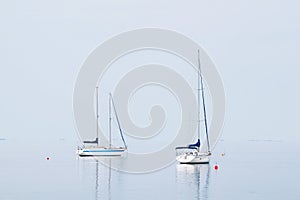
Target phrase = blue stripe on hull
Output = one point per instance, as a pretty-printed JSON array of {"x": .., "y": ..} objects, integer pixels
[{"x": 104, "y": 150}]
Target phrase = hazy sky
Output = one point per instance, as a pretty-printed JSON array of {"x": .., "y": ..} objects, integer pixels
[{"x": 255, "y": 45}]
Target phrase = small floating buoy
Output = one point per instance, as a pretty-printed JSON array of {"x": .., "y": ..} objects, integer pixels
[
  {"x": 216, "y": 167},
  {"x": 223, "y": 154},
  {"x": 47, "y": 158}
]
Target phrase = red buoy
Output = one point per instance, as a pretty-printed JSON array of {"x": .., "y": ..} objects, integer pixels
[{"x": 216, "y": 167}]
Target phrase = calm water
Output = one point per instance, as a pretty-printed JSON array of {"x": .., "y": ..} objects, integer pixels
[{"x": 249, "y": 170}]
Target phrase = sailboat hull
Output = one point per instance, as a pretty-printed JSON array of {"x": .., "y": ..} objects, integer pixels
[
  {"x": 193, "y": 159},
  {"x": 100, "y": 151}
]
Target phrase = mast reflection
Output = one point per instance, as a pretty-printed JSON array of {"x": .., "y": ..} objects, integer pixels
[
  {"x": 94, "y": 170},
  {"x": 100, "y": 191},
  {"x": 193, "y": 180}
]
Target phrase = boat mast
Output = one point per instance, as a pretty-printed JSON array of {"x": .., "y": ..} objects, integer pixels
[
  {"x": 198, "y": 99},
  {"x": 97, "y": 118},
  {"x": 200, "y": 80},
  {"x": 109, "y": 127}
]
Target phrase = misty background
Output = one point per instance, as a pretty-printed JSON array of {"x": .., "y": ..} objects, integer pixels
[{"x": 254, "y": 44}]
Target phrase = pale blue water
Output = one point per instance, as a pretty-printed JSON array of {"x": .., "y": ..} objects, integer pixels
[{"x": 249, "y": 170}]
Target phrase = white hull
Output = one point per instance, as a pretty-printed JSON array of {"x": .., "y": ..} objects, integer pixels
[
  {"x": 198, "y": 158},
  {"x": 101, "y": 151}
]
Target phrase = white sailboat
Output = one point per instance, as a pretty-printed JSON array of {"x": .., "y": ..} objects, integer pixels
[
  {"x": 92, "y": 148},
  {"x": 191, "y": 154}
]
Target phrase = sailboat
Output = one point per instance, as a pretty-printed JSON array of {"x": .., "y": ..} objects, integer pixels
[
  {"x": 92, "y": 148},
  {"x": 191, "y": 154}
]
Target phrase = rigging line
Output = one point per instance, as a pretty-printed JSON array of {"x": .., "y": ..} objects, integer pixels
[
  {"x": 203, "y": 101},
  {"x": 118, "y": 121}
]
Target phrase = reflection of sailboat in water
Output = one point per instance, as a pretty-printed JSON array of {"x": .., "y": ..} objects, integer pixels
[
  {"x": 100, "y": 194},
  {"x": 96, "y": 177},
  {"x": 191, "y": 179},
  {"x": 192, "y": 153},
  {"x": 92, "y": 148}
]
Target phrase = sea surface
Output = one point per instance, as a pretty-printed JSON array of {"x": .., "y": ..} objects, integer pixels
[{"x": 247, "y": 169}]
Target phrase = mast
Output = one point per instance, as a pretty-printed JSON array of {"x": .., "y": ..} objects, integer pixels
[
  {"x": 200, "y": 81},
  {"x": 97, "y": 118},
  {"x": 198, "y": 98},
  {"x": 109, "y": 127}
]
